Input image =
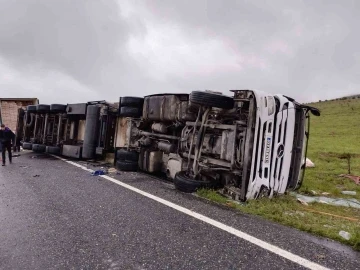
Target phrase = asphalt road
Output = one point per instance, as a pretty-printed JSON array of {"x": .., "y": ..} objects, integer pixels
[{"x": 54, "y": 215}]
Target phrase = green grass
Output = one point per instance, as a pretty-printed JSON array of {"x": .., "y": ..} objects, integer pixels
[
  {"x": 333, "y": 135},
  {"x": 287, "y": 211}
]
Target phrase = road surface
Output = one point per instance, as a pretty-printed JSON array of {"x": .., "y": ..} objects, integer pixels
[{"x": 54, "y": 215}]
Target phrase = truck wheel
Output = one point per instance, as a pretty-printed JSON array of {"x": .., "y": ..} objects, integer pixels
[
  {"x": 186, "y": 184},
  {"x": 130, "y": 112},
  {"x": 124, "y": 155},
  {"x": 42, "y": 108},
  {"x": 32, "y": 108},
  {"x": 53, "y": 150},
  {"x": 131, "y": 102},
  {"x": 209, "y": 99},
  {"x": 128, "y": 166},
  {"x": 27, "y": 146},
  {"x": 39, "y": 148},
  {"x": 58, "y": 108}
]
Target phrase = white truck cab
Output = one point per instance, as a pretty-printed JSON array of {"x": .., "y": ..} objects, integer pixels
[{"x": 279, "y": 160}]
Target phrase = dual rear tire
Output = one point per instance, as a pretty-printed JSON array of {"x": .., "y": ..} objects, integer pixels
[
  {"x": 131, "y": 107},
  {"x": 127, "y": 160}
]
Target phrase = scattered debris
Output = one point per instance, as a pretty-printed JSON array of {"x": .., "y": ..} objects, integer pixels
[
  {"x": 302, "y": 202},
  {"x": 332, "y": 201},
  {"x": 112, "y": 170},
  {"x": 347, "y": 192},
  {"x": 313, "y": 192},
  {"x": 33, "y": 156},
  {"x": 98, "y": 172},
  {"x": 345, "y": 235},
  {"x": 309, "y": 163},
  {"x": 324, "y": 202},
  {"x": 36, "y": 175},
  {"x": 332, "y": 215},
  {"x": 320, "y": 256},
  {"x": 16, "y": 155},
  {"x": 355, "y": 178},
  {"x": 325, "y": 193}
]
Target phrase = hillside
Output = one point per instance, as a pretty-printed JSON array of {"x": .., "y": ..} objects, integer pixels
[{"x": 333, "y": 135}]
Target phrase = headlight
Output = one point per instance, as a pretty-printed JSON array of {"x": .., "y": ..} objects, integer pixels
[{"x": 271, "y": 105}]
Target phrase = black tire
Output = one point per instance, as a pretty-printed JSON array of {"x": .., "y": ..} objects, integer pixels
[
  {"x": 39, "y": 148},
  {"x": 55, "y": 150},
  {"x": 209, "y": 99},
  {"x": 130, "y": 112},
  {"x": 27, "y": 146},
  {"x": 131, "y": 102},
  {"x": 58, "y": 108},
  {"x": 42, "y": 108},
  {"x": 186, "y": 184},
  {"x": 127, "y": 166},
  {"x": 32, "y": 108},
  {"x": 124, "y": 155}
]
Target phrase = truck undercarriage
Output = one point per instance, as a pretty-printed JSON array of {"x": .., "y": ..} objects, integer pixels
[{"x": 245, "y": 145}]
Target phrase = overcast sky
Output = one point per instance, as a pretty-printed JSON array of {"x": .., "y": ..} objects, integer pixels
[{"x": 65, "y": 51}]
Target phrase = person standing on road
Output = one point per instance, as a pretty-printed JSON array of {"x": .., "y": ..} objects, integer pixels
[{"x": 6, "y": 138}]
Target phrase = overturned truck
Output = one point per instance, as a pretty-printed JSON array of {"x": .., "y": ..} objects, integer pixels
[{"x": 250, "y": 145}]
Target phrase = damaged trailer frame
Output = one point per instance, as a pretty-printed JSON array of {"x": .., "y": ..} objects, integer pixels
[
  {"x": 89, "y": 130},
  {"x": 41, "y": 127},
  {"x": 250, "y": 145}
]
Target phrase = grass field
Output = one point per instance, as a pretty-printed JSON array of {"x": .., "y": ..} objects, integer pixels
[{"x": 333, "y": 136}]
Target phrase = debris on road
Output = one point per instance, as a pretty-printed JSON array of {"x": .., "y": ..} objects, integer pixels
[
  {"x": 112, "y": 170},
  {"x": 16, "y": 155},
  {"x": 345, "y": 235},
  {"x": 347, "y": 192},
  {"x": 98, "y": 172},
  {"x": 355, "y": 178},
  {"x": 309, "y": 163},
  {"x": 36, "y": 175}
]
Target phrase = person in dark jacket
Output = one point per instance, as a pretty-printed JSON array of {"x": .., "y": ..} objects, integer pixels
[{"x": 6, "y": 138}]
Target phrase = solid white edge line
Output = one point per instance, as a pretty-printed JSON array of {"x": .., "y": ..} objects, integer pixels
[{"x": 260, "y": 243}]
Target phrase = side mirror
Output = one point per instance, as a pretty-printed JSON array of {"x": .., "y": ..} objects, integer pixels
[{"x": 315, "y": 111}]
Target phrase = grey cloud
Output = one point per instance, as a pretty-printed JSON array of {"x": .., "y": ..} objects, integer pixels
[
  {"x": 326, "y": 46},
  {"x": 310, "y": 49},
  {"x": 76, "y": 37}
]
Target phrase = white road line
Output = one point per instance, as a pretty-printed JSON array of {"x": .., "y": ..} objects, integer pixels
[{"x": 260, "y": 243}]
